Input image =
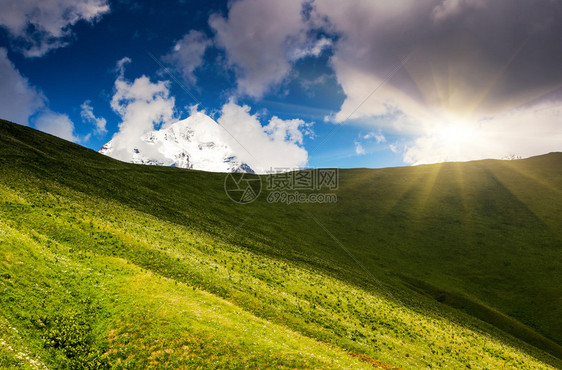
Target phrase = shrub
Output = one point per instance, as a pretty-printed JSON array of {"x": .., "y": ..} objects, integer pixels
[{"x": 69, "y": 336}]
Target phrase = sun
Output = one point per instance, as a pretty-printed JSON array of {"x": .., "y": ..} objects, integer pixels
[{"x": 455, "y": 134}]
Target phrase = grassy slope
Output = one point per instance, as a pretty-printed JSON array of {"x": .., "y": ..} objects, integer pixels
[{"x": 132, "y": 250}]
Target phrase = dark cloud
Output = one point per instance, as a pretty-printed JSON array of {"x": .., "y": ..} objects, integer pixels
[{"x": 480, "y": 56}]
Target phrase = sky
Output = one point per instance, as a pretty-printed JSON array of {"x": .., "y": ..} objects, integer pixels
[{"x": 304, "y": 83}]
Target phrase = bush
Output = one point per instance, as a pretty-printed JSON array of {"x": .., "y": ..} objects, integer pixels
[{"x": 69, "y": 336}]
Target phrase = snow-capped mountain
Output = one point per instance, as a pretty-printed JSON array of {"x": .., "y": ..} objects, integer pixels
[{"x": 190, "y": 143}]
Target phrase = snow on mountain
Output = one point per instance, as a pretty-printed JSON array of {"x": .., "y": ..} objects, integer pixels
[{"x": 190, "y": 143}]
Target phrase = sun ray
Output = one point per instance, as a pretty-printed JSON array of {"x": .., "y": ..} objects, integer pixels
[
  {"x": 429, "y": 184},
  {"x": 471, "y": 108},
  {"x": 527, "y": 174},
  {"x": 530, "y": 198},
  {"x": 540, "y": 96},
  {"x": 402, "y": 193},
  {"x": 461, "y": 179}
]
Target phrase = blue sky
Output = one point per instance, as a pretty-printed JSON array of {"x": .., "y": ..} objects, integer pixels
[{"x": 374, "y": 84}]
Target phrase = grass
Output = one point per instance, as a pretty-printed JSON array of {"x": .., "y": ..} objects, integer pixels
[{"x": 107, "y": 264}]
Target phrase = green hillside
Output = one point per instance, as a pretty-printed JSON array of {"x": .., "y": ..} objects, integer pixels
[{"x": 107, "y": 264}]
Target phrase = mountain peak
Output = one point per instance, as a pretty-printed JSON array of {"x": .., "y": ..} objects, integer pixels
[{"x": 188, "y": 143}]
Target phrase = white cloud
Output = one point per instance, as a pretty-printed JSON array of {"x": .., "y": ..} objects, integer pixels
[
  {"x": 359, "y": 150},
  {"x": 87, "y": 114},
  {"x": 379, "y": 137},
  {"x": 288, "y": 130},
  {"x": 311, "y": 48},
  {"x": 18, "y": 99},
  {"x": 56, "y": 124},
  {"x": 187, "y": 54},
  {"x": 261, "y": 39},
  {"x": 522, "y": 132},
  {"x": 120, "y": 66},
  {"x": 37, "y": 27},
  {"x": 143, "y": 106},
  {"x": 275, "y": 146}
]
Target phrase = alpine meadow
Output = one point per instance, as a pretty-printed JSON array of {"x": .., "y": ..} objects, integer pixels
[{"x": 106, "y": 264}]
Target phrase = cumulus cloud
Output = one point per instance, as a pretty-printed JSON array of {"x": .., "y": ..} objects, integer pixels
[
  {"x": 292, "y": 130},
  {"x": 145, "y": 106},
  {"x": 56, "y": 124},
  {"x": 36, "y": 27},
  {"x": 187, "y": 54},
  {"x": 277, "y": 145},
  {"x": 18, "y": 99},
  {"x": 87, "y": 114},
  {"x": 261, "y": 39}
]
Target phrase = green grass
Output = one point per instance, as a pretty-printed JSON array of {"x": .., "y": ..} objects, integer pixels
[{"x": 110, "y": 264}]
